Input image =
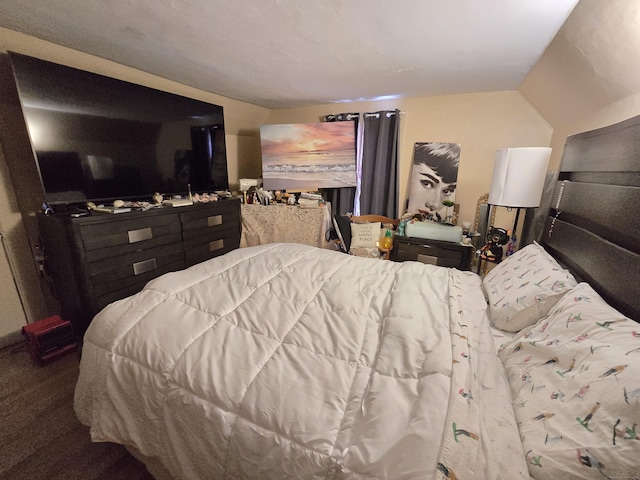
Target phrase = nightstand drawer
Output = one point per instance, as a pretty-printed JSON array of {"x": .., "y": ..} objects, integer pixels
[{"x": 433, "y": 252}]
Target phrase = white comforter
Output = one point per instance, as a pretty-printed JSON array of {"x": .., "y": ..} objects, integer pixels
[{"x": 289, "y": 362}]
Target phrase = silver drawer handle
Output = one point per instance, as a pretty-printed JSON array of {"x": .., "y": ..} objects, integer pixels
[
  {"x": 214, "y": 220},
  {"x": 140, "y": 235},
  {"x": 216, "y": 245},
  {"x": 428, "y": 259},
  {"x": 144, "y": 266}
]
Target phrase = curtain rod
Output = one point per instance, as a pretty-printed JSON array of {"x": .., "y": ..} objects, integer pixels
[
  {"x": 366, "y": 114},
  {"x": 375, "y": 114}
]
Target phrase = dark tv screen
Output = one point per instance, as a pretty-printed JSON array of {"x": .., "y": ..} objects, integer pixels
[{"x": 96, "y": 138}]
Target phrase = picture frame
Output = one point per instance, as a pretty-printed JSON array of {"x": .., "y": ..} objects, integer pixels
[{"x": 434, "y": 177}]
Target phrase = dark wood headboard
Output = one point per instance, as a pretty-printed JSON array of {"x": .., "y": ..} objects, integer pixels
[{"x": 593, "y": 226}]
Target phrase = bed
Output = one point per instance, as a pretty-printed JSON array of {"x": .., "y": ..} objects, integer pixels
[{"x": 286, "y": 361}]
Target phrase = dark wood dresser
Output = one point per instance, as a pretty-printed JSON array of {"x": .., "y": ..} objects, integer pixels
[
  {"x": 98, "y": 259},
  {"x": 434, "y": 252}
]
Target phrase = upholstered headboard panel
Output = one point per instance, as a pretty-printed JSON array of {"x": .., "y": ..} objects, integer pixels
[{"x": 594, "y": 223}]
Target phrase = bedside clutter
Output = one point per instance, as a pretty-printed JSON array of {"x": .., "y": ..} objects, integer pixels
[
  {"x": 434, "y": 231},
  {"x": 433, "y": 243},
  {"x": 364, "y": 235},
  {"x": 361, "y": 236}
]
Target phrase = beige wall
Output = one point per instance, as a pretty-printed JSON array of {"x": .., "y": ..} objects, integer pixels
[
  {"x": 20, "y": 191},
  {"x": 12, "y": 315},
  {"x": 588, "y": 76},
  {"x": 20, "y": 278},
  {"x": 480, "y": 122},
  {"x": 616, "y": 112}
]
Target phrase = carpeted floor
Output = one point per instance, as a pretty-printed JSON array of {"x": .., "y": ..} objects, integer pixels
[{"x": 40, "y": 436}]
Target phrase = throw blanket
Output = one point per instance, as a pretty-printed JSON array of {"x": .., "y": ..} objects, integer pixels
[{"x": 286, "y": 361}]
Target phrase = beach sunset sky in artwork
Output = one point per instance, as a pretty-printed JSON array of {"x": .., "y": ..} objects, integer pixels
[
  {"x": 308, "y": 155},
  {"x": 307, "y": 137}
]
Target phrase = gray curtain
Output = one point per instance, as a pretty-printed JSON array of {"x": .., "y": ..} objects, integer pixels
[
  {"x": 379, "y": 174},
  {"x": 341, "y": 199}
]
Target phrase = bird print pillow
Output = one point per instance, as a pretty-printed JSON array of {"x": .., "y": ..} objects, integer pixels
[
  {"x": 575, "y": 380},
  {"x": 522, "y": 289}
]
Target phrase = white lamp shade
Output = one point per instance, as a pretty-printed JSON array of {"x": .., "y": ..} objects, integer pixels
[{"x": 518, "y": 176}]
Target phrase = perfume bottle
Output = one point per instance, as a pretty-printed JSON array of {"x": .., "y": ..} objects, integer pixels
[
  {"x": 512, "y": 241},
  {"x": 509, "y": 249}
]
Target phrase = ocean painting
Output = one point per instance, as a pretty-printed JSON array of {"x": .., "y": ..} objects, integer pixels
[{"x": 304, "y": 156}]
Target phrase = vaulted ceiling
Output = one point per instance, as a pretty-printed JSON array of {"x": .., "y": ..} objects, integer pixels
[
  {"x": 289, "y": 53},
  {"x": 593, "y": 62}
]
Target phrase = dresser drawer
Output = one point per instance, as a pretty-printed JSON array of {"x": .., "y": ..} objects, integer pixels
[
  {"x": 220, "y": 217},
  {"x": 443, "y": 254},
  {"x": 109, "y": 253},
  {"x": 210, "y": 243},
  {"x": 210, "y": 232},
  {"x": 115, "y": 269},
  {"x": 132, "y": 234},
  {"x": 106, "y": 292}
]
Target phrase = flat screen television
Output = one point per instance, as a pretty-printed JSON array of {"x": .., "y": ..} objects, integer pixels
[
  {"x": 304, "y": 156},
  {"x": 97, "y": 138}
]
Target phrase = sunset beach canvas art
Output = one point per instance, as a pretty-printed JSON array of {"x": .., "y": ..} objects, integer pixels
[{"x": 308, "y": 155}]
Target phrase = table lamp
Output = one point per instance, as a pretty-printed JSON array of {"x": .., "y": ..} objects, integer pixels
[{"x": 518, "y": 178}]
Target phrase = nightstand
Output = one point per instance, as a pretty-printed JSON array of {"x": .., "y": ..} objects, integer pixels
[{"x": 434, "y": 252}]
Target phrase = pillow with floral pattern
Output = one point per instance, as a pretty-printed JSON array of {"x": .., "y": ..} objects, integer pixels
[
  {"x": 522, "y": 289},
  {"x": 575, "y": 382}
]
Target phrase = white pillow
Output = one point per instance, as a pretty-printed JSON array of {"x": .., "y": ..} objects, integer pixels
[
  {"x": 523, "y": 288},
  {"x": 365, "y": 234}
]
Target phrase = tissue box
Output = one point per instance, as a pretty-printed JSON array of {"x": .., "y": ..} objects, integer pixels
[{"x": 434, "y": 231}]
